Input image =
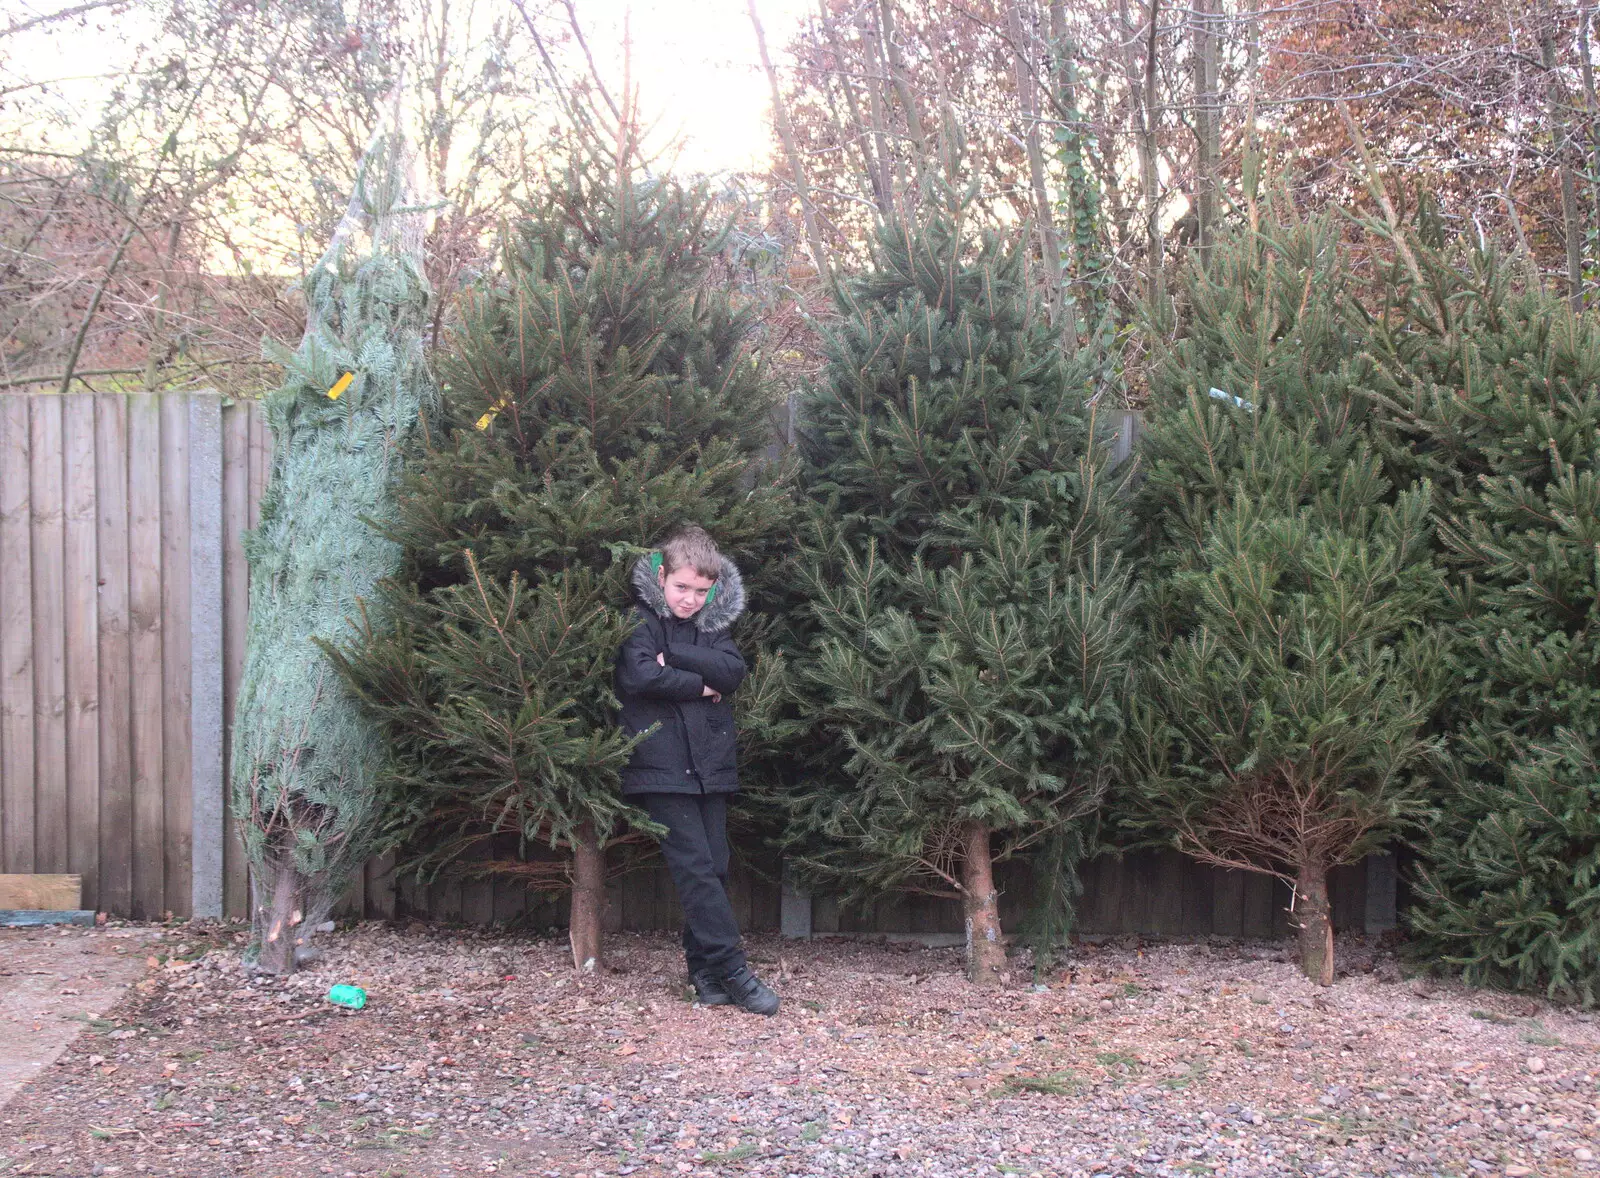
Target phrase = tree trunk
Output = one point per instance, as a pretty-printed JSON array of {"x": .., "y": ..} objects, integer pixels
[
  {"x": 1207, "y": 127},
  {"x": 280, "y": 921},
  {"x": 1061, "y": 312},
  {"x": 860, "y": 131},
  {"x": 986, "y": 952},
  {"x": 791, "y": 148},
  {"x": 1143, "y": 94},
  {"x": 1315, "y": 922},
  {"x": 874, "y": 76},
  {"x": 588, "y": 899},
  {"x": 902, "y": 83},
  {"x": 1557, "y": 106}
]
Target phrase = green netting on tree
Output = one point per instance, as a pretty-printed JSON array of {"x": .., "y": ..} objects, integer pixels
[{"x": 306, "y": 762}]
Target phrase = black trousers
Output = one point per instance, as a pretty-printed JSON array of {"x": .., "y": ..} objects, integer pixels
[{"x": 696, "y": 850}]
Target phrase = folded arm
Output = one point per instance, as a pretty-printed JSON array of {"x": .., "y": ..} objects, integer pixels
[
  {"x": 639, "y": 672},
  {"x": 720, "y": 665}
]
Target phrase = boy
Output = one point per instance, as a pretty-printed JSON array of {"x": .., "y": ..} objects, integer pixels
[{"x": 677, "y": 671}]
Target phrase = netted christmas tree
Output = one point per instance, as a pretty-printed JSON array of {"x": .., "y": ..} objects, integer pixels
[
  {"x": 1281, "y": 724},
  {"x": 600, "y": 391},
  {"x": 307, "y": 782},
  {"x": 969, "y": 649},
  {"x": 1499, "y": 388}
]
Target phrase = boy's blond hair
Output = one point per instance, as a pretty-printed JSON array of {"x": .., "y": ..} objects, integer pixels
[{"x": 691, "y": 547}]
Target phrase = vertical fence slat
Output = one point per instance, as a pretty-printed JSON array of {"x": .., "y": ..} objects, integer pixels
[
  {"x": 49, "y": 639},
  {"x": 144, "y": 610},
  {"x": 1378, "y": 909},
  {"x": 381, "y": 900},
  {"x": 175, "y": 666},
  {"x": 260, "y": 461},
  {"x": 1227, "y": 903},
  {"x": 16, "y": 636},
  {"x": 115, "y": 671},
  {"x": 236, "y": 422},
  {"x": 81, "y": 575},
  {"x": 207, "y": 821}
]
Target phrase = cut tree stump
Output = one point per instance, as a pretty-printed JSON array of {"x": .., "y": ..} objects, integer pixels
[{"x": 54, "y": 893}]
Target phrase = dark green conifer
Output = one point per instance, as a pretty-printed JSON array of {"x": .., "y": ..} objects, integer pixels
[
  {"x": 600, "y": 391},
  {"x": 969, "y": 648},
  {"x": 1498, "y": 389},
  {"x": 1281, "y": 724}
]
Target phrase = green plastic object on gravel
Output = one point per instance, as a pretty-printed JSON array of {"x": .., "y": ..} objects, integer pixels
[{"x": 352, "y": 996}]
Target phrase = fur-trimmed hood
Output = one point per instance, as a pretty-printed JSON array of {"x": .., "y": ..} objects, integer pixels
[{"x": 724, "y": 608}]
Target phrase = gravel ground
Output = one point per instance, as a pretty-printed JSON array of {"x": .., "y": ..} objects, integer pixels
[
  {"x": 483, "y": 1054},
  {"x": 50, "y": 986}
]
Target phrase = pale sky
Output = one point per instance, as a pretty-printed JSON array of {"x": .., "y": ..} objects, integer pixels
[
  {"x": 698, "y": 70},
  {"x": 695, "y": 63}
]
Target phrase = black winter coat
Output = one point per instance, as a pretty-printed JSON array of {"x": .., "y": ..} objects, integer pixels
[{"x": 692, "y": 749}]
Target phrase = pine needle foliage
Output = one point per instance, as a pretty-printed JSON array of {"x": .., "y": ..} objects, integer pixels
[
  {"x": 600, "y": 390},
  {"x": 1281, "y": 724},
  {"x": 1497, "y": 390},
  {"x": 308, "y": 783},
  {"x": 969, "y": 642}
]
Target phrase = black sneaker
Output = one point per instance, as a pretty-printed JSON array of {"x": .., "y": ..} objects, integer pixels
[
  {"x": 708, "y": 989},
  {"x": 748, "y": 992}
]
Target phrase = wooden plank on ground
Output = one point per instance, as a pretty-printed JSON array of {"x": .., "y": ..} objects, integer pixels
[
  {"x": 236, "y": 420},
  {"x": 16, "y": 637},
  {"x": 81, "y": 584},
  {"x": 36, "y": 917},
  {"x": 115, "y": 893},
  {"x": 41, "y": 891},
  {"x": 145, "y": 645},
  {"x": 176, "y": 736},
  {"x": 208, "y": 820},
  {"x": 50, "y": 822}
]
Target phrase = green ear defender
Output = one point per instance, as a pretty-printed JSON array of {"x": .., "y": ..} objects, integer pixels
[{"x": 711, "y": 594}]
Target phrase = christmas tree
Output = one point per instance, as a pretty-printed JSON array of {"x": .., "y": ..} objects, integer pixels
[
  {"x": 968, "y": 656},
  {"x": 308, "y": 786},
  {"x": 600, "y": 391},
  {"x": 1498, "y": 388},
  {"x": 1282, "y": 720}
]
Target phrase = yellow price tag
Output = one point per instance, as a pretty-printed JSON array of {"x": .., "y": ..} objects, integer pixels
[
  {"x": 483, "y": 422},
  {"x": 340, "y": 385}
]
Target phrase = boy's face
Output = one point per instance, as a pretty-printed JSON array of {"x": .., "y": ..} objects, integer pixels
[{"x": 685, "y": 589}]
